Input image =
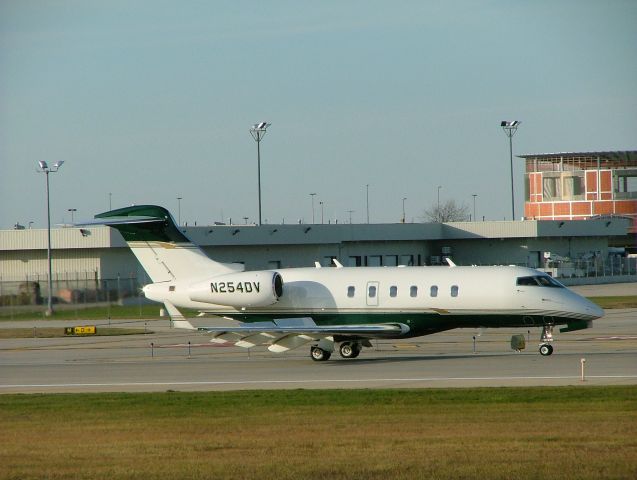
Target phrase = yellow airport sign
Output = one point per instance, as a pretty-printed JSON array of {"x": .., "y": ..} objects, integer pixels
[{"x": 85, "y": 330}]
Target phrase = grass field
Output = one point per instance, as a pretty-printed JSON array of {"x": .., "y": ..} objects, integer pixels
[
  {"x": 616, "y": 302},
  {"x": 67, "y": 312},
  {"x": 498, "y": 433},
  {"x": 57, "y": 332}
]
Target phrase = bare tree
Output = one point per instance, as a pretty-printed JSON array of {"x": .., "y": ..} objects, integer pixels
[{"x": 448, "y": 211}]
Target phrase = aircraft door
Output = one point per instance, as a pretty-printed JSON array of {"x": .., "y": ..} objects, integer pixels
[{"x": 372, "y": 294}]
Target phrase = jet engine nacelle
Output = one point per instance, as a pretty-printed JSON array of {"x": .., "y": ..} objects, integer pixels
[{"x": 243, "y": 289}]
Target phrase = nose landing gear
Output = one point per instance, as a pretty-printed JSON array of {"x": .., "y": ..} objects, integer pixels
[{"x": 546, "y": 348}]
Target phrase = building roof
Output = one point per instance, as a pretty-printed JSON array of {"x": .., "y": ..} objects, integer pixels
[
  {"x": 617, "y": 155},
  {"x": 251, "y": 235}
]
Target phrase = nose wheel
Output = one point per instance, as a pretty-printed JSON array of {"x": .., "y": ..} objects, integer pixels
[{"x": 546, "y": 348}]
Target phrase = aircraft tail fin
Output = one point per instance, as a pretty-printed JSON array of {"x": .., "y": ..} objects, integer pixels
[{"x": 160, "y": 246}]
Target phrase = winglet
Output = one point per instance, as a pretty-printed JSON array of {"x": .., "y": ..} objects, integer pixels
[{"x": 450, "y": 262}]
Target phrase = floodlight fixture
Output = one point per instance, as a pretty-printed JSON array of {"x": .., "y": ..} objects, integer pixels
[
  {"x": 510, "y": 127},
  {"x": 43, "y": 165},
  {"x": 257, "y": 131},
  {"x": 509, "y": 123}
]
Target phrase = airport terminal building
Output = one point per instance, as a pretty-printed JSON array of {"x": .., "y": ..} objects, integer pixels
[{"x": 85, "y": 258}]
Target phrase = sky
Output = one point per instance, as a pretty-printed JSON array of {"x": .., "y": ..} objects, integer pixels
[{"x": 147, "y": 101}]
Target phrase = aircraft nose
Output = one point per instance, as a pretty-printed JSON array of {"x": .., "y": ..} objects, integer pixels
[{"x": 594, "y": 310}]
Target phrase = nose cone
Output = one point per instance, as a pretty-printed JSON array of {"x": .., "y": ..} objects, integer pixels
[{"x": 593, "y": 309}]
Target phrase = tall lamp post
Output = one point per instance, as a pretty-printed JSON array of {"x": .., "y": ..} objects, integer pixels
[
  {"x": 72, "y": 210},
  {"x": 438, "y": 208},
  {"x": 321, "y": 212},
  {"x": 179, "y": 210},
  {"x": 258, "y": 131},
  {"x": 367, "y": 201},
  {"x": 44, "y": 168},
  {"x": 510, "y": 127},
  {"x": 312, "y": 195},
  {"x": 404, "y": 198},
  {"x": 474, "y": 195}
]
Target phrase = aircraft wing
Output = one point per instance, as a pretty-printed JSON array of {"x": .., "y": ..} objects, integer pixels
[{"x": 281, "y": 336}]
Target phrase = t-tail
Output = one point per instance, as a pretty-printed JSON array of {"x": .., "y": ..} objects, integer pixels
[{"x": 161, "y": 247}]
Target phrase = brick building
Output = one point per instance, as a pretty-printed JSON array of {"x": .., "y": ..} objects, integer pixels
[{"x": 577, "y": 186}]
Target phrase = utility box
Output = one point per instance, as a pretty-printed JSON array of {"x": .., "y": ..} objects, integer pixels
[{"x": 518, "y": 342}]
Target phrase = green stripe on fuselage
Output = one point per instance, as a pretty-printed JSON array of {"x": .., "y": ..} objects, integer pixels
[{"x": 418, "y": 323}]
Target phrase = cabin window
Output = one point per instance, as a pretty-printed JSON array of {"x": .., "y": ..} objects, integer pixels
[
  {"x": 454, "y": 290},
  {"x": 171, "y": 288},
  {"x": 393, "y": 291},
  {"x": 413, "y": 291},
  {"x": 372, "y": 291},
  {"x": 433, "y": 291},
  {"x": 350, "y": 291}
]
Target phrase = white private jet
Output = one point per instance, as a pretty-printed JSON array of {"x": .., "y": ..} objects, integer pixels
[{"x": 340, "y": 307}]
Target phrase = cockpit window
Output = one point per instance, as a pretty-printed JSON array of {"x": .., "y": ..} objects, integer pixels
[{"x": 539, "y": 280}]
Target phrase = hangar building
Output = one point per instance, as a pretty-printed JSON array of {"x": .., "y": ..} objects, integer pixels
[{"x": 83, "y": 257}]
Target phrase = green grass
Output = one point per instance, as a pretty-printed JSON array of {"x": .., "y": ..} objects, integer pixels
[
  {"x": 496, "y": 433},
  {"x": 68, "y": 312},
  {"x": 52, "y": 332},
  {"x": 615, "y": 302}
]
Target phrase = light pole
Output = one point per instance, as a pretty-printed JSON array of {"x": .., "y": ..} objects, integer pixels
[
  {"x": 474, "y": 195},
  {"x": 72, "y": 210},
  {"x": 179, "y": 210},
  {"x": 350, "y": 216},
  {"x": 368, "y": 203},
  {"x": 110, "y": 201},
  {"x": 44, "y": 168},
  {"x": 510, "y": 127},
  {"x": 312, "y": 195},
  {"x": 321, "y": 212},
  {"x": 404, "y": 198},
  {"x": 258, "y": 131},
  {"x": 438, "y": 208}
]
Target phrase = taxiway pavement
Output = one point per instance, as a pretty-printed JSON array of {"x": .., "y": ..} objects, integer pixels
[{"x": 129, "y": 363}]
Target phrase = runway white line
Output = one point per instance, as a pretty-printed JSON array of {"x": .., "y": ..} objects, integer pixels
[{"x": 287, "y": 382}]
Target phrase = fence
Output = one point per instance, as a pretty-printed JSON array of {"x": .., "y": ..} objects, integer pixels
[
  {"x": 594, "y": 267},
  {"x": 33, "y": 290}
]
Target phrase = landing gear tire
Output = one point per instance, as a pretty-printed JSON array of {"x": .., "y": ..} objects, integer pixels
[
  {"x": 319, "y": 355},
  {"x": 349, "y": 350},
  {"x": 546, "y": 350}
]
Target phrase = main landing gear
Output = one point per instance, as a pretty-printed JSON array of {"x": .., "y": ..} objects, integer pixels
[
  {"x": 350, "y": 349},
  {"x": 546, "y": 348},
  {"x": 321, "y": 352},
  {"x": 320, "y": 355}
]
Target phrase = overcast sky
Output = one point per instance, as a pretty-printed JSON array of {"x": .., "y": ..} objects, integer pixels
[{"x": 153, "y": 100}]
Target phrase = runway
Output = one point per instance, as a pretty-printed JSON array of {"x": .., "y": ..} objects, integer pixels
[{"x": 130, "y": 364}]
